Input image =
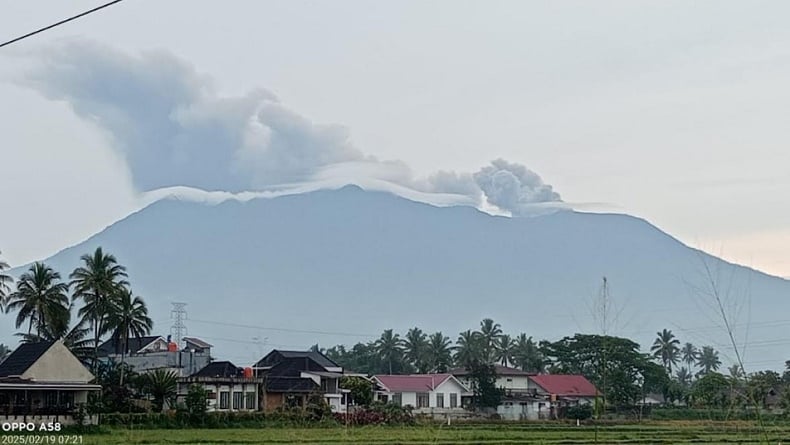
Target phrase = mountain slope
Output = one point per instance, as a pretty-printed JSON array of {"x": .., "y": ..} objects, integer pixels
[{"x": 357, "y": 262}]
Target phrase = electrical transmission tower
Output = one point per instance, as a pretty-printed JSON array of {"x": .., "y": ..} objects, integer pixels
[{"x": 178, "y": 314}]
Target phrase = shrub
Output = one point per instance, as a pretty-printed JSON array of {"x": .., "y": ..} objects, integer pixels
[{"x": 580, "y": 412}]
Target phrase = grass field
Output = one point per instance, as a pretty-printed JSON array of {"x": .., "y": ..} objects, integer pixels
[{"x": 675, "y": 432}]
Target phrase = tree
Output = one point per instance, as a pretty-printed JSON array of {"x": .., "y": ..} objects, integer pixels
[
  {"x": 440, "y": 352},
  {"x": 75, "y": 338},
  {"x": 196, "y": 400},
  {"x": 162, "y": 385},
  {"x": 469, "y": 348},
  {"x": 5, "y": 283},
  {"x": 389, "y": 348},
  {"x": 505, "y": 349},
  {"x": 759, "y": 384},
  {"x": 613, "y": 364},
  {"x": 489, "y": 332},
  {"x": 127, "y": 316},
  {"x": 415, "y": 345},
  {"x": 689, "y": 355},
  {"x": 708, "y": 360},
  {"x": 96, "y": 282},
  {"x": 683, "y": 376},
  {"x": 361, "y": 390},
  {"x": 666, "y": 348},
  {"x": 4, "y": 352},
  {"x": 527, "y": 356},
  {"x": 711, "y": 390},
  {"x": 40, "y": 299},
  {"x": 482, "y": 377}
]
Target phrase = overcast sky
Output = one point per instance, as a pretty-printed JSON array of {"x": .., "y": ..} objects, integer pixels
[{"x": 672, "y": 111}]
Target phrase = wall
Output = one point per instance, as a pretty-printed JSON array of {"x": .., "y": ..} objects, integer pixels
[
  {"x": 58, "y": 364},
  {"x": 188, "y": 363}
]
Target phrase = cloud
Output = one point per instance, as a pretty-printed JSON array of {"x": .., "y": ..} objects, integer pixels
[
  {"x": 178, "y": 134},
  {"x": 515, "y": 188}
]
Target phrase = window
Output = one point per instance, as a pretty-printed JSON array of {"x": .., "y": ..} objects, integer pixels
[
  {"x": 237, "y": 399},
  {"x": 440, "y": 400},
  {"x": 249, "y": 401},
  {"x": 509, "y": 380},
  {"x": 224, "y": 400},
  {"x": 422, "y": 400},
  {"x": 329, "y": 386},
  {"x": 453, "y": 400},
  {"x": 397, "y": 399}
]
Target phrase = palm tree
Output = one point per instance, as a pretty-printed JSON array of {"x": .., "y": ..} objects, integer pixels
[
  {"x": 75, "y": 338},
  {"x": 469, "y": 347},
  {"x": 505, "y": 349},
  {"x": 5, "y": 281},
  {"x": 666, "y": 348},
  {"x": 527, "y": 356},
  {"x": 127, "y": 317},
  {"x": 708, "y": 360},
  {"x": 414, "y": 347},
  {"x": 96, "y": 282},
  {"x": 162, "y": 385},
  {"x": 684, "y": 376},
  {"x": 489, "y": 332},
  {"x": 4, "y": 352},
  {"x": 389, "y": 348},
  {"x": 689, "y": 354},
  {"x": 440, "y": 352},
  {"x": 40, "y": 299}
]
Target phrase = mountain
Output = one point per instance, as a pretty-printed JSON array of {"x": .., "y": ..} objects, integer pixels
[{"x": 346, "y": 264}]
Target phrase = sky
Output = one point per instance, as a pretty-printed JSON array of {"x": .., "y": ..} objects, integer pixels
[{"x": 671, "y": 111}]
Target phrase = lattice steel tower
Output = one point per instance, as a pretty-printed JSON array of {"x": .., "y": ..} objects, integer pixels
[{"x": 178, "y": 314}]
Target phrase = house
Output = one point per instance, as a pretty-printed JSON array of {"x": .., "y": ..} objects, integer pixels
[
  {"x": 229, "y": 387},
  {"x": 519, "y": 393},
  {"x": 44, "y": 382},
  {"x": 424, "y": 392},
  {"x": 157, "y": 352},
  {"x": 563, "y": 391},
  {"x": 292, "y": 377}
]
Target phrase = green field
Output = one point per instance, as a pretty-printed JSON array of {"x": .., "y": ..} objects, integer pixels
[{"x": 676, "y": 432}]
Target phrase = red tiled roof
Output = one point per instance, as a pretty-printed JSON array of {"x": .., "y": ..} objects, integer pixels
[
  {"x": 566, "y": 385},
  {"x": 412, "y": 383}
]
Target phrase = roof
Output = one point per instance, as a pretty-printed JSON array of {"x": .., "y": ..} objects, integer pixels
[
  {"x": 23, "y": 358},
  {"x": 276, "y": 356},
  {"x": 197, "y": 342},
  {"x": 220, "y": 369},
  {"x": 290, "y": 384},
  {"x": 499, "y": 369},
  {"x": 113, "y": 346},
  {"x": 565, "y": 385},
  {"x": 412, "y": 383}
]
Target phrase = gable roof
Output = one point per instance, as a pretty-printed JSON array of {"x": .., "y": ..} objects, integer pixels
[
  {"x": 565, "y": 385},
  {"x": 276, "y": 356},
  {"x": 197, "y": 342},
  {"x": 499, "y": 369},
  {"x": 23, "y": 358},
  {"x": 220, "y": 369},
  {"x": 412, "y": 383},
  {"x": 112, "y": 346}
]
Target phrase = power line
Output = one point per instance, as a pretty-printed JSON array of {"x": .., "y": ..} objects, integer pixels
[
  {"x": 298, "y": 331},
  {"x": 31, "y": 34}
]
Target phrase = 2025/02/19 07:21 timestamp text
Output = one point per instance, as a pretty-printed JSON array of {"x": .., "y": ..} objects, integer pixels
[{"x": 41, "y": 439}]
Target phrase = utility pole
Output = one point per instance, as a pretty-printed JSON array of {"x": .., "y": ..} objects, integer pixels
[{"x": 178, "y": 314}]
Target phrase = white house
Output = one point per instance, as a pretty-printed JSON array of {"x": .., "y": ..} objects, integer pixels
[
  {"x": 44, "y": 382},
  {"x": 423, "y": 392},
  {"x": 228, "y": 387}
]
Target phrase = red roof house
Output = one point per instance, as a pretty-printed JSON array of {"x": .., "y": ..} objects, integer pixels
[
  {"x": 411, "y": 383},
  {"x": 565, "y": 385}
]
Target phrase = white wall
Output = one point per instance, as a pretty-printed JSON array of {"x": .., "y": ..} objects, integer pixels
[
  {"x": 517, "y": 382},
  {"x": 58, "y": 364}
]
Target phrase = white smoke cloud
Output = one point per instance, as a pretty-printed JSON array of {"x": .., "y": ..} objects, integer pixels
[
  {"x": 517, "y": 189},
  {"x": 179, "y": 135}
]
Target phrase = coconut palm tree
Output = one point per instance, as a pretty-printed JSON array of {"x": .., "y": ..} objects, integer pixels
[
  {"x": 527, "y": 356},
  {"x": 689, "y": 354},
  {"x": 415, "y": 344},
  {"x": 40, "y": 299},
  {"x": 75, "y": 338},
  {"x": 127, "y": 317},
  {"x": 440, "y": 352},
  {"x": 5, "y": 283},
  {"x": 684, "y": 376},
  {"x": 505, "y": 349},
  {"x": 666, "y": 348},
  {"x": 469, "y": 348},
  {"x": 162, "y": 385},
  {"x": 489, "y": 332},
  {"x": 390, "y": 348},
  {"x": 708, "y": 360},
  {"x": 96, "y": 282}
]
